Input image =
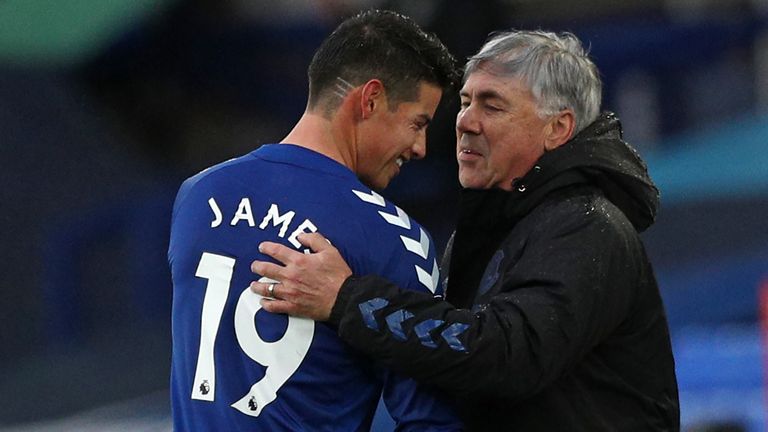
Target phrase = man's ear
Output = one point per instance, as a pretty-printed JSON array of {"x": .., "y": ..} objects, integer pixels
[
  {"x": 560, "y": 129},
  {"x": 372, "y": 98}
]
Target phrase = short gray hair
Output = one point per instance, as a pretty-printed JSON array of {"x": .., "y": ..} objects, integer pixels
[{"x": 555, "y": 67}]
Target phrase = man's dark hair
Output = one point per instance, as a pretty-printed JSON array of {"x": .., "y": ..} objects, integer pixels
[{"x": 384, "y": 45}]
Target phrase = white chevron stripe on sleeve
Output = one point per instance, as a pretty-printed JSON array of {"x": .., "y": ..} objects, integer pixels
[
  {"x": 372, "y": 198},
  {"x": 401, "y": 219},
  {"x": 427, "y": 279},
  {"x": 420, "y": 248}
]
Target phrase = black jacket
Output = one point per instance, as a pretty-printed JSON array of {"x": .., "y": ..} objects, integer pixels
[{"x": 553, "y": 319}]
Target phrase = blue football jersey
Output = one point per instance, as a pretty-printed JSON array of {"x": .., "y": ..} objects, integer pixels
[{"x": 238, "y": 367}]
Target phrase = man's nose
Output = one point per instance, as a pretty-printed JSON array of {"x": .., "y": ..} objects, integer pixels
[
  {"x": 419, "y": 148},
  {"x": 467, "y": 121}
]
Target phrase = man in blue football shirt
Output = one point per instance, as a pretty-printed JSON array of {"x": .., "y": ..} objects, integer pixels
[{"x": 374, "y": 85}]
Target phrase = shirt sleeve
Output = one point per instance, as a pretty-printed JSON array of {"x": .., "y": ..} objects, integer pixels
[
  {"x": 392, "y": 244},
  {"x": 416, "y": 407}
]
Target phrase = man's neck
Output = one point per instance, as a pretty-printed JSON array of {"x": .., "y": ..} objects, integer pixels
[{"x": 328, "y": 137}]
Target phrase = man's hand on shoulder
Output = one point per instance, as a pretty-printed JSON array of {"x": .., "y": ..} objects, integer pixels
[{"x": 307, "y": 283}]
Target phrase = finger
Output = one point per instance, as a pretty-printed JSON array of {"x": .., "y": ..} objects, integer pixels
[
  {"x": 279, "y": 252},
  {"x": 268, "y": 269},
  {"x": 277, "y": 306},
  {"x": 287, "y": 300},
  {"x": 281, "y": 291},
  {"x": 315, "y": 241},
  {"x": 260, "y": 288}
]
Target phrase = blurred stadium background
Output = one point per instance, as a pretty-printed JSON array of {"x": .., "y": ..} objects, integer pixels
[{"x": 107, "y": 105}]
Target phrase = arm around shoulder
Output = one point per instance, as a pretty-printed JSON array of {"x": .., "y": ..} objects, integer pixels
[{"x": 552, "y": 306}]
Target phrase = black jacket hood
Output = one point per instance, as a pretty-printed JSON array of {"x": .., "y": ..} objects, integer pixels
[
  {"x": 600, "y": 154},
  {"x": 597, "y": 156}
]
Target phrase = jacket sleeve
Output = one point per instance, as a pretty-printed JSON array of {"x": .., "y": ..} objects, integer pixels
[{"x": 571, "y": 286}]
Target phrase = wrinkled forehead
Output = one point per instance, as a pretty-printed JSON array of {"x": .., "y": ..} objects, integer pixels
[{"x": 490, "y": 79}]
